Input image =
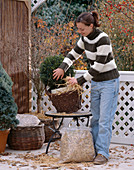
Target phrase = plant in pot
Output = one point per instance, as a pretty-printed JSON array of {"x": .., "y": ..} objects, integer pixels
[
  {"x": 8, "y": 108},
  {"x": 67, "y": 101}
]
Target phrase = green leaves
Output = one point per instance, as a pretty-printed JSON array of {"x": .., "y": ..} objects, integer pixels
[
  {"x": 8, "y": 107},
  {"x": 46, "y": 71},
  {"x": 60, "y": 11}
]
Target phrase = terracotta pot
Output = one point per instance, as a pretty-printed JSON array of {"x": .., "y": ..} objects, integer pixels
[{"x": 3, "y": 139}]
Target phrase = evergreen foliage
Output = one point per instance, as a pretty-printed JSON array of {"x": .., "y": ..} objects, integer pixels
[
  {"x": 55, "y": 11},
  {"x": 46, "y": 71},
  {"x": 8, "y": 107}
]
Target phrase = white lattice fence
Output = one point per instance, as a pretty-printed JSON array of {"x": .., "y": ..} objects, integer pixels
[
  {"x": 35, "y": 4},
  {"x": 123, "y": 126}
]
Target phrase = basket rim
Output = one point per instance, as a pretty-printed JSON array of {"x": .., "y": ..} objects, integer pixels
[{"x": 40, "y": 125}]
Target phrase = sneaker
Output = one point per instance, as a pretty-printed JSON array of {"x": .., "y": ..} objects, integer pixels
[{"x": 100, "y": 159}]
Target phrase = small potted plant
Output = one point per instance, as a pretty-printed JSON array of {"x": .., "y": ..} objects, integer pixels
[
  {"x": 67, "y": 101},
  {"x": 46, "y": 72},
  {"x": 8, "y": 108}
]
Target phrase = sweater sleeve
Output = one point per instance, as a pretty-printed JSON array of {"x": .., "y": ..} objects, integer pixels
[{"x": 73, "y": 55}]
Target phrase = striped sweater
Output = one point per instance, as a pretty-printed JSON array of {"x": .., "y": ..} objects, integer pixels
[{"x": 98, "y": 49}]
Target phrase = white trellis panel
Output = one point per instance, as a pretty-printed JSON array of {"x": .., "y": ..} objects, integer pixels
[
  {"x": 46, "y": 104},
  {"x": 35, "y": 4},
  {"x": 123, "y": 125}
]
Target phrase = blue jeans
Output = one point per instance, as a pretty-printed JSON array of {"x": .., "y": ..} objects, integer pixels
[{"x": 104, "y": 96}]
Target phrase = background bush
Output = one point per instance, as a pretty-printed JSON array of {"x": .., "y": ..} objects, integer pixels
[{"x": 116, "y": 20}]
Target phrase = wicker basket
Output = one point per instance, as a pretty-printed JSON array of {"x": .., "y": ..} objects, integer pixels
[
  {"x": 48, "y": 132},
  {"x": 66, "y": 102},
  {"x": 26, "y": 138}
]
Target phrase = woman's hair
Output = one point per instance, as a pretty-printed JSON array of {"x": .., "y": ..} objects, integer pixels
[{"x": 88, "y": 18}]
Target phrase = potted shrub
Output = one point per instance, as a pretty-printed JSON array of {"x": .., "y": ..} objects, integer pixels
[
  {"x": 8, "y": 108},
  {"x": 46, "y": 72},
  {"x": 68, "y": 101}
]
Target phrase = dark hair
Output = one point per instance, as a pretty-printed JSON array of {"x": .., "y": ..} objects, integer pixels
[{"x": 88, "y": 18}]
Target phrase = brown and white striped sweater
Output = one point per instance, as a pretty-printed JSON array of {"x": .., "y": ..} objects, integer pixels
[{"x": 98, "y": 49}]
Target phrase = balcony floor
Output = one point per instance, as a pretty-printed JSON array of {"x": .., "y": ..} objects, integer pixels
[{"x": 121, "y": 158}]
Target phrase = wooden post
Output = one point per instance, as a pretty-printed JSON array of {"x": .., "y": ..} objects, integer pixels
[{"x": 15, "y": 19}]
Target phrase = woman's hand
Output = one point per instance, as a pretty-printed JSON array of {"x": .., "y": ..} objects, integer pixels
[
  {"x": 72, "y": 80},
  {"x": 58, "y": 73}
]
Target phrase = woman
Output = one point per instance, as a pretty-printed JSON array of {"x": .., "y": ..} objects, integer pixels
[{"x": 104, "y": 78}]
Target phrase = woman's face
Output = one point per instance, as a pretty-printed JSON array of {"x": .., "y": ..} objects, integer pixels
[{"x": 83, "y": 29}]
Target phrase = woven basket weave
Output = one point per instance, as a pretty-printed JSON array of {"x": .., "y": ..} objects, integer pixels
[
  {"x": 48, "y": 123},
  {"x": 66, "y": 102},
  {"x": 26, "y": 138}
]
